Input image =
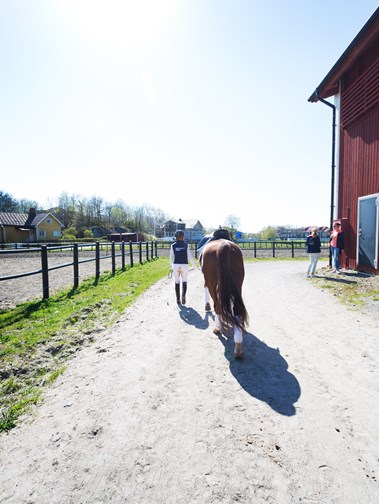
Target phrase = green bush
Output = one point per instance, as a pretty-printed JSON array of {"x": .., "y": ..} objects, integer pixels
[
  {"x": 69, "y": 233},
  {"x": 88, "y": 233}
]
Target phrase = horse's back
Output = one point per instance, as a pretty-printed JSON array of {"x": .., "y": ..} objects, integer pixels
[
  {"x": 225, "y": 254},
  {"x": 215, "y": 246}
]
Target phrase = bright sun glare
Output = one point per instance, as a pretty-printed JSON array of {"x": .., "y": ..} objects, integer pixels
[{"x": 123, "y": 24}]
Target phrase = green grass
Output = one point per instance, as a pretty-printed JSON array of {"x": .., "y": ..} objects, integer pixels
[
  {"x": 36, "y": 338},
  {"x": 351, "y": 289}
]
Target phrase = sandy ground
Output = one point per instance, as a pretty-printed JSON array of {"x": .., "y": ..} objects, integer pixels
[
  {"x": 158, "y": 411},
  {"x": 19, "y": 290}
]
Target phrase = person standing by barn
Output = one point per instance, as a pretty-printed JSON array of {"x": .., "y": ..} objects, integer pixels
[
  {"x": 313, "y": 245},
  {"x": 336, "y": 245},
  {"x": 180, "y": 254}
]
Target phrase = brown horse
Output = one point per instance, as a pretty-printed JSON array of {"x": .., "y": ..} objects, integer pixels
[{"x": 223, "y": 270}]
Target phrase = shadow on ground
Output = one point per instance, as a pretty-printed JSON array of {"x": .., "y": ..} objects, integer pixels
[
  {"x": 192, "y": 317},
  {"x": 338, "y": 279},
  {"x": 264, "y": 374}
]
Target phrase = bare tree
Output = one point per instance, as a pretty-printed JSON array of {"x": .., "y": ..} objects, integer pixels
[
  {"x": 24, "y": 205},
  {"x": 155, "y": 218},
  {"x": 268, "y": 233},
  {"x": 97, "y": 209},
  {"x": 67, "y": 208},
  {"x": 232, "y": 222}
]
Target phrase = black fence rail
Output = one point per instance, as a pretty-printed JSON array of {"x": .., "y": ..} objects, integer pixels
[
  {"x": 283, "y": 248},
  {"x": 107, "y": 254},
  {"x": 91, "y": 252},
  {"x": 260, "y": 248}
]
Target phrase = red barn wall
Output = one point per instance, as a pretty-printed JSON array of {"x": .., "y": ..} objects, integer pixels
[{"x": 359, "y": 173}]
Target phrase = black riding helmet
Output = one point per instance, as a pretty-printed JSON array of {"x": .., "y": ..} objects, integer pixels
[{"x": 179, "y": 234}]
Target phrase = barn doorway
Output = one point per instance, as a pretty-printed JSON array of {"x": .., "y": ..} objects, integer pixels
[{"x": 368, "y": 223}]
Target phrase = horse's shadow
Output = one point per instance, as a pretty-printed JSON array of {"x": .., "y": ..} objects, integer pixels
[
  {"x": 192, "y": 317},
  {"x": 264, "y": 374}
]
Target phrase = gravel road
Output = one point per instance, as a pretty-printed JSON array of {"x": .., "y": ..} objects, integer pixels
[{"x": 156, "y": 410}]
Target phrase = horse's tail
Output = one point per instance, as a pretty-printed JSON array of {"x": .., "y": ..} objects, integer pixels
[{"x": 233, "y": 309}]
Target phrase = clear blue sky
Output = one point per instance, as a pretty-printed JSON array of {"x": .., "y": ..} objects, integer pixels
[{"x": 196, "y": 107}]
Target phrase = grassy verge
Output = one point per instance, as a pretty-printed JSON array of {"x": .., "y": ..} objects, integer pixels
[
  {"x": 37, "y": 338},
  {"x": 352, "y": 288}
]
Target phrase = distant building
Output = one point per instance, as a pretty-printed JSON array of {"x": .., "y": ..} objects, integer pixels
[
  {"x": 301, "y": 233},
  {"x": 100, "y": 232},
  {"x": 126, "y": 237},
  {"x": 103, "y": 232},
  {"x": 29, "y": 227},
  {"x": 323, "y": 232},
  {"x": 193, "y": 229}
]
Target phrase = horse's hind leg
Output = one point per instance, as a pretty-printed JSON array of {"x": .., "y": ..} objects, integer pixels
[
  {"x": 218, "y": 326},
  {"x": 238, "y": 339},
  {"x": 207, "y": 298}
]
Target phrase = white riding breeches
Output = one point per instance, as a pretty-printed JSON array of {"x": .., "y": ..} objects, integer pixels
[{"x": 180, "y": 270}]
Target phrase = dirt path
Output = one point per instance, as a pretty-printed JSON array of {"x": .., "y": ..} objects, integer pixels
[{"x": 157, "y": 410}]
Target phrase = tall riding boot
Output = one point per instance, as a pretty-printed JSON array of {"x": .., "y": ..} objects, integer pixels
[
  {"x": 184, "y": 285},
  {"x": 177, "y": 292}
]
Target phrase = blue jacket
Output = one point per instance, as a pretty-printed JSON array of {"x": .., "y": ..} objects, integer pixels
[
  {"x": 313, "y": 244},
  {"x": 179, "y": 252}
]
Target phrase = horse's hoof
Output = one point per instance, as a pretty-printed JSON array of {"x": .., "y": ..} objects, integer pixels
[
  {"x": 208, "y": 307},
  {"x": 238, "y": 351},
  {"x": 217, "y": 331}
]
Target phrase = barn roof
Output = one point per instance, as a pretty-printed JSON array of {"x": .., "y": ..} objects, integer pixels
[{"x": 330, "y": 85}]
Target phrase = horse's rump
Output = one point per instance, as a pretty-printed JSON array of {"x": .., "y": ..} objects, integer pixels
[{"x": 223, "y": 269}]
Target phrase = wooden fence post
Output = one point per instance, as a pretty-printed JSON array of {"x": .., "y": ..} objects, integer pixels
[
  {"x": 147, "y": 251},
  {"x": 273, "y": 249},
  {"x": 255, "y": 250},
  {"x": 123, "y": 256},
  {"x": 113, "y": 252},
  {"x": 45, "y": 272},
  {"x": 97, "y": 260},
  {"x": 140, "y": 252},
  {"x": 293, "y": 249},
  {"x": 156, "y": 248},
  {"x": 76, "y": 265},
  {"x": 131, "y": 254}
]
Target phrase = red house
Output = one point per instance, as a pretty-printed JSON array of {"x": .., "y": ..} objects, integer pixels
[{"x": 354, "y": 82}]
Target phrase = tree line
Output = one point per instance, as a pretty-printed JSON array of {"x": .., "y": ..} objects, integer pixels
[{"x": 79, "y": 214}]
